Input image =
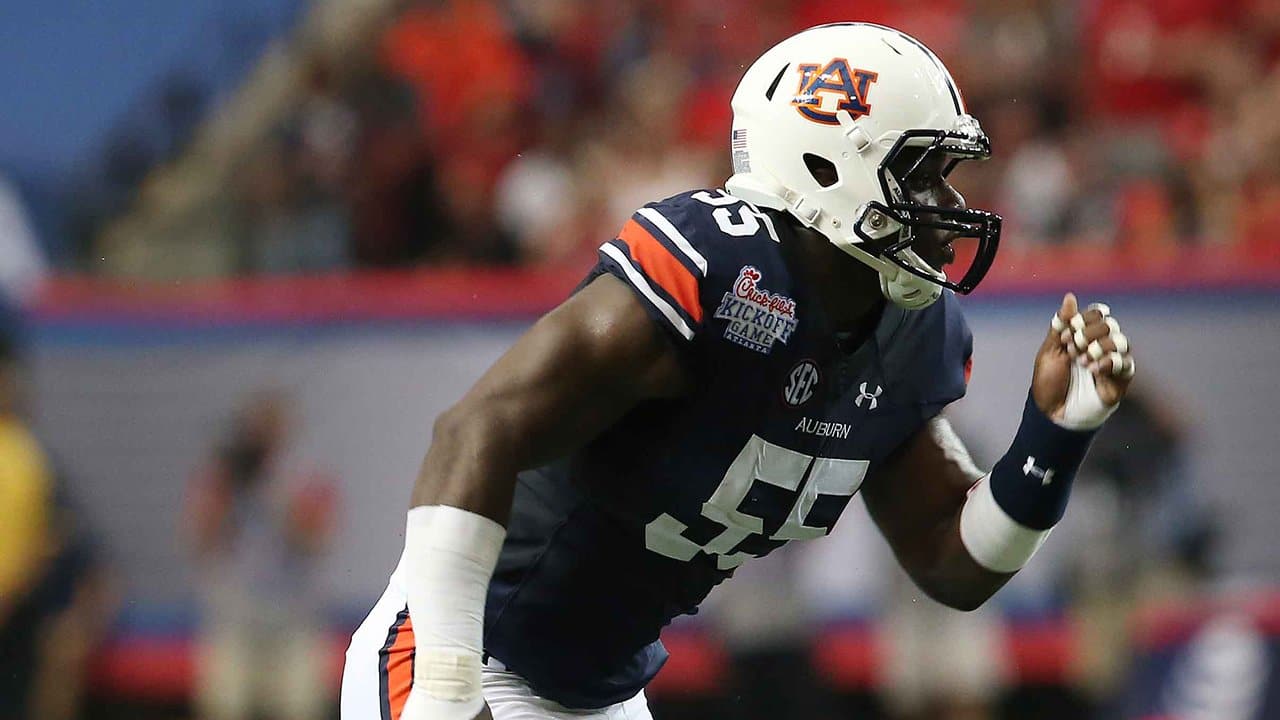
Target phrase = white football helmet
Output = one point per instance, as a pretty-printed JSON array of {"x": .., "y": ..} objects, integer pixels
[{"x": 851, "y": 97}]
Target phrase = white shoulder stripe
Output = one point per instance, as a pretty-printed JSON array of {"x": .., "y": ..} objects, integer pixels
[
  {"x": 675, "y": 237},
  {"x": 643, "y": 286}
]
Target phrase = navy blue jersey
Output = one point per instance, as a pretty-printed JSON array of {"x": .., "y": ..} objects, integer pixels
[{"x": 605, "y": 547}]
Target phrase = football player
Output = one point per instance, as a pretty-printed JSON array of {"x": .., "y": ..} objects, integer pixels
[{"x": 739, "y": 363}]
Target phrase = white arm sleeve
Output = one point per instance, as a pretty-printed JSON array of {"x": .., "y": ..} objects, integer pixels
[{"x": 449, "y": 558}]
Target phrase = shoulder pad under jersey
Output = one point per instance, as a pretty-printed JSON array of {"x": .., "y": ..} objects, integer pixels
[{"x": 679, "y": 254}]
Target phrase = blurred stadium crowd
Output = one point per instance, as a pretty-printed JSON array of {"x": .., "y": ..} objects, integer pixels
[{"x": 522, "y": 132}]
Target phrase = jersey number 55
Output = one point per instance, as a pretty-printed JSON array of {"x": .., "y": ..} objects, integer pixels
[{"x": 804, "y": 477}]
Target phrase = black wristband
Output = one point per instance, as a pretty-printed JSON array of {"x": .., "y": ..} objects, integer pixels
[{"x": 1033, "y": 480}]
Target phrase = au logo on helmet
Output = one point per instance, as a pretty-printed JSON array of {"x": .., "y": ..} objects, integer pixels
[{"x": 824, "y": 91}]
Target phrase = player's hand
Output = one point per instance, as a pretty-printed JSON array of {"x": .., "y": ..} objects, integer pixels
[{"x": 1084, "y": 366}]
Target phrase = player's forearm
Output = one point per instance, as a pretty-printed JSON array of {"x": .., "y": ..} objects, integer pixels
[
  {"x": 453, "y": 536},
  {"x": 916, "y": 501},
  {"x": 937, "y": 560},
  {"x": 951, "y": 576}
]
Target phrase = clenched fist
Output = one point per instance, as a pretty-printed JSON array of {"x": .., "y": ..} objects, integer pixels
[{"x": 1084, "y": 366}]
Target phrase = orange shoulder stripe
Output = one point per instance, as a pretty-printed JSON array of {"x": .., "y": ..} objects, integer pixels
[{"x": 662, "y": 267}]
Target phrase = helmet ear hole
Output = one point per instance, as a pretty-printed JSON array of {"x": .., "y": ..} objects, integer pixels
[{"x": 823, "y": 170}]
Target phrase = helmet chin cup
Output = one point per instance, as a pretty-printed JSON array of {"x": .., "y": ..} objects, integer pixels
[
  {"x": 907, "y": 290},
  {"x": 898, "y": 286}
]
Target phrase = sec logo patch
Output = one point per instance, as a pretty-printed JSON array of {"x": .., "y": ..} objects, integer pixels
[{"x": 802, "y": 381}]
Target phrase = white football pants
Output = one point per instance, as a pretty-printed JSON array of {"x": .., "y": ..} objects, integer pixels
[{"x": 378, "y": 674}]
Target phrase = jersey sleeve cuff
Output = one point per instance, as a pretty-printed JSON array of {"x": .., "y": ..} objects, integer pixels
[{"x": 667, "y": 312}]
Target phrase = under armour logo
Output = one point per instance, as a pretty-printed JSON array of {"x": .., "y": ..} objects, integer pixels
[
  {"x": 1030, "y": 470},
  {"x": 870, "y": 397}
]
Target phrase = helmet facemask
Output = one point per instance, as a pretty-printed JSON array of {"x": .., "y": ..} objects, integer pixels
[
  {"x": 979, "y": 225},
  {"x": 884, "y": 233}
]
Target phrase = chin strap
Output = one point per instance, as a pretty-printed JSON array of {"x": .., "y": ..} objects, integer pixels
[{"x": 898, "y": 286}]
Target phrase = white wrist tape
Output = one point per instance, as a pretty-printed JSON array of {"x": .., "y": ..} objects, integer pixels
[
  {"x": 994, "y": 540},
  {"x": 1084, "y": 409},
  {"x": 448, "y": 560}
]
